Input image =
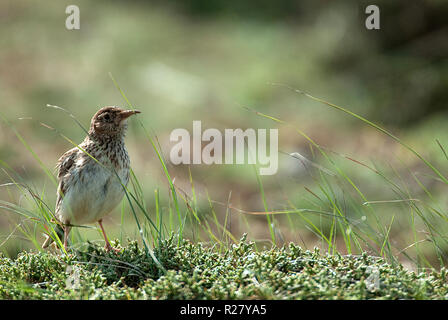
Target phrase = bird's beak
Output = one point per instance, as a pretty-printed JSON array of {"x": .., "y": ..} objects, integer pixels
[{"x": 127, "y": 113}]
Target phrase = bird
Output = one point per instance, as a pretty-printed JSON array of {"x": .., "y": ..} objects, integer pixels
[{"x": 93, "y": 175}]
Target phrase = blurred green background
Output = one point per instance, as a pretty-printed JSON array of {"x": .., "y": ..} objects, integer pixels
[{"x": 206, "y": 60}]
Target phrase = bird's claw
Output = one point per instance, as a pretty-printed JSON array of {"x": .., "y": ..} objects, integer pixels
[{"x": 109, "y": 248}]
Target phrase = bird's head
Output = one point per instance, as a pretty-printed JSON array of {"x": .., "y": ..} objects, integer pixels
[{"x": 110, "y": 121}]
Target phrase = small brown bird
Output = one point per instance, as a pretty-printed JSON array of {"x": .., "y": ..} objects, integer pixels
[{"x": 92, "y": 177}]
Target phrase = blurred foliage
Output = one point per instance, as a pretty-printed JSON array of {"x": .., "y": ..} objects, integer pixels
[
  {"x": 405, "y": 67},
  {"x": 407, "y": 71}
]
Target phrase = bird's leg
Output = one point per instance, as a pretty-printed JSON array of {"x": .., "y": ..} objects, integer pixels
[
  {"x": 108, "y": 247},
  {"x": 66, "y": 232}
]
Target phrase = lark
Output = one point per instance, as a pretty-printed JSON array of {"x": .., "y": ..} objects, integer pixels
[{"x": 92, "y": 177}]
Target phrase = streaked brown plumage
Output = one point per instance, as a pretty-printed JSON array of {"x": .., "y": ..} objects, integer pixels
[{"x": 92, "y": 177}]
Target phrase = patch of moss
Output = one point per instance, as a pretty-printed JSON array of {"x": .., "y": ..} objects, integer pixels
[{"x": 193, "y": 271}]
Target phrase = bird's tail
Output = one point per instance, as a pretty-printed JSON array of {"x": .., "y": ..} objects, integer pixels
[{"x": 60, "y": 233}]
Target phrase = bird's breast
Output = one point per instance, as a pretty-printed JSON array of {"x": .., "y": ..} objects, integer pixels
[{"x": 97, "y": 187}]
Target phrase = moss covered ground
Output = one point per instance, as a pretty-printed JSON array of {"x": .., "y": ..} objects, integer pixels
[{"x": 184, "y": 270}]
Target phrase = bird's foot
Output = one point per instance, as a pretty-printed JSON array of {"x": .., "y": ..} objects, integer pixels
[{"x": 109, "y": 248}]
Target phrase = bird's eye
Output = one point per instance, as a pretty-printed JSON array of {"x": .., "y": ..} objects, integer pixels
[{"x": 107, "y": 117}]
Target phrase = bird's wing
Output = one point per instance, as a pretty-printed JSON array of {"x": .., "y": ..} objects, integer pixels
[
  {"x": 64, "y": 166},
  {"x": 65, "y": 162}
]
